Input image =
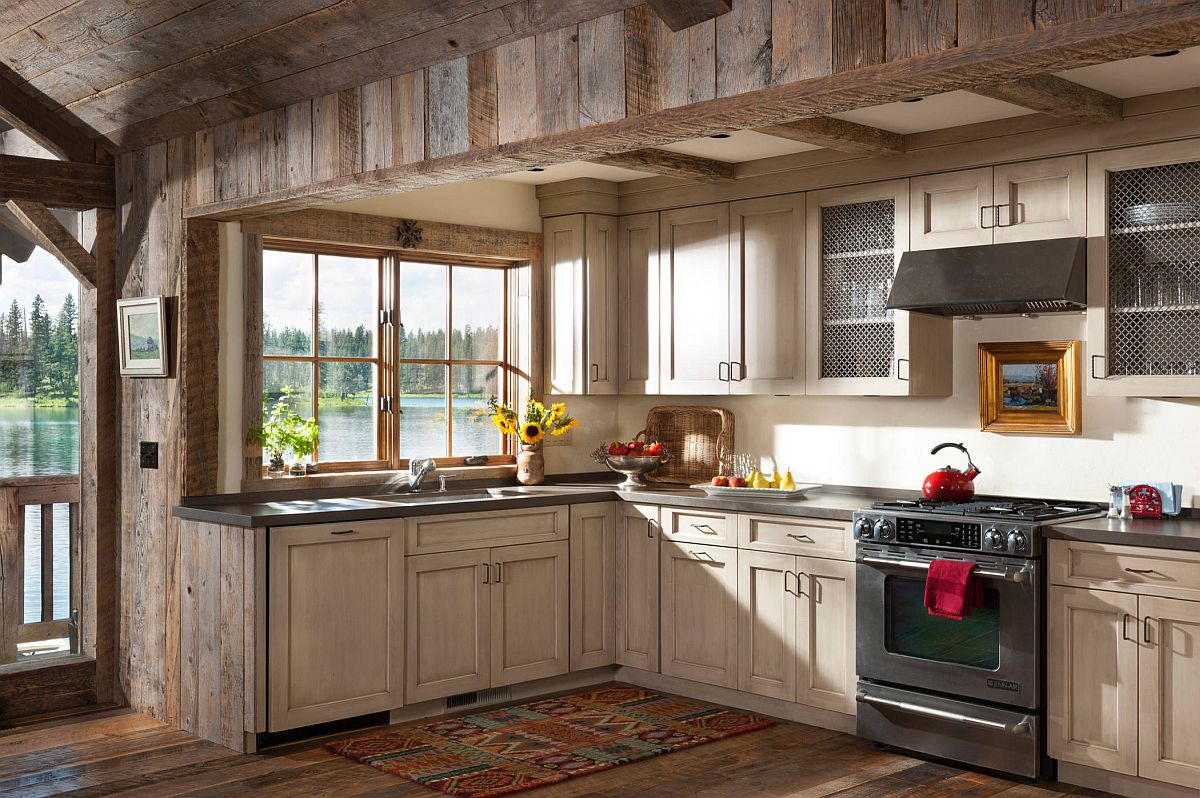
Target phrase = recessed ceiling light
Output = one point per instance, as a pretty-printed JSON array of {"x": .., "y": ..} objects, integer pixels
[
  {"x": 535, "y": 169},
  {"x": 719, "y": 136},
  {"x": 913, "y": 100},
  {"x": 1167, "y": 54}
]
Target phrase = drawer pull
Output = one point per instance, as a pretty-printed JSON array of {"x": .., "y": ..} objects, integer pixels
[
  {"x": 1141, "y": 571},
  {"x": 801, "y": 538},
  {"x": 345, "y": 532},
  {"x": 704, "y": 529},
  {"x": 706, "y": 558}
]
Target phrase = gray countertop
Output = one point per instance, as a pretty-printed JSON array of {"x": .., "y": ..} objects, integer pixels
[
  {"x": 253, "y": 511},
  {"x": 1167, "y": 533}
]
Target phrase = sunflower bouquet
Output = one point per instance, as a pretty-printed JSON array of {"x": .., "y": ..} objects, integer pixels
[{"x": 536, "y": 422}]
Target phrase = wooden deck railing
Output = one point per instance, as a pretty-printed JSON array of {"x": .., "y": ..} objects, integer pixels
[{"x": 46, "y": 493}]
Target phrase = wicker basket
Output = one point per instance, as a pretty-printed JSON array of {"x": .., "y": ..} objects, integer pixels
[{"x": 700, "y": 440}]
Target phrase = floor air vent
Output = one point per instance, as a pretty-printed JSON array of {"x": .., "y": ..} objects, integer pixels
[{"x": 493, "y": 695}]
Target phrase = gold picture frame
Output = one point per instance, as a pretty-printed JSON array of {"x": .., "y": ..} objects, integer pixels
[{"x": 1030, "y": 387}]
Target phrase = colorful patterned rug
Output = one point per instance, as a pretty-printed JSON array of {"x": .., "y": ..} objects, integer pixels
[{"x": 544, "y": 742}]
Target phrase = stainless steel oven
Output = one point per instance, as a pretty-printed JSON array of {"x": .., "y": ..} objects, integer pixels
[{"x": 992, "y": 655}]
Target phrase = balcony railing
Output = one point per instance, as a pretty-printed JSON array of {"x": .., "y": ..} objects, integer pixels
[{"x": 33, "y": 512}]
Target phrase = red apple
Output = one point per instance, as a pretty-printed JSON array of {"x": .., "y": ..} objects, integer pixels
[
  {"x": 720, "y": 481},
  {"x": 653, "y": 450},
  {"x": 616, "y": 449},
  {"x": 737, "y": 482}
]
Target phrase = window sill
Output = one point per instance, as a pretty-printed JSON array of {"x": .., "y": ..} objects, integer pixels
[{"x": 374, "y": 479}]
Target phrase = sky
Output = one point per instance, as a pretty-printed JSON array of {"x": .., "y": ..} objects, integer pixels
[{"x": 41, "y": 274}]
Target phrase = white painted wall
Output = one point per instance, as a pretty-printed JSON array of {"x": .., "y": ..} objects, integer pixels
[{"x": 484, "y": 203}]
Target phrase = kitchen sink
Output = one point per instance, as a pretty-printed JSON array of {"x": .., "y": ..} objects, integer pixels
[{"x": 433, "y": 497}]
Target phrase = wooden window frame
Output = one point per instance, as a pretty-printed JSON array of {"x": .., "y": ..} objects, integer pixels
[{"x": 387, "y": 360}]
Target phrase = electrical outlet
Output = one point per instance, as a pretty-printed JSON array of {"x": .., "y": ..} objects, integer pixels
[{"x": 148, "y": 454}]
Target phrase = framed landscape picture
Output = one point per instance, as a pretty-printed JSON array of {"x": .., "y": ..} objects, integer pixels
[
  {"x": 1030, "y": 386},
  {"x": 142, "y": 324}
]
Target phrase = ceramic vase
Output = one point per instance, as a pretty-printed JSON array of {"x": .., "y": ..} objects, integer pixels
[{"x": 531, "y": 466}]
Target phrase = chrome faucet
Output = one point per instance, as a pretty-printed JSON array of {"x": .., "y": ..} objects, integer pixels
[{"x": 418, "y": 469}]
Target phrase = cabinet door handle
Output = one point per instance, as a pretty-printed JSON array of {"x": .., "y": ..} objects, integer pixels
[
  {"x": 595, "y": 372},
  {"x": 345, "y": 532},
  {"x": 741, "y": 370},
  {"x": 1146, "y": 630},
  {"x": 903, "y": 360},
  {"x": 1011, "y": 220},
  {"x": 786, "y": 574},
  {"x": 499, "y": 573},
  {"x": 1094, "y": 375},
  {"x": 983, "y": 217},
  {"x": 487, "y": 573},
  {"x": 1125, "y": 627},
  {"x": 721, "y": 372},
  {"x": 650, "y": 524}
]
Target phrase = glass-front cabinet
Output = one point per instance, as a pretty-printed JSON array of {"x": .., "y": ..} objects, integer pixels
[
  {"x": 855, "y": 237},
  {"x": 1144, "y": 271}
]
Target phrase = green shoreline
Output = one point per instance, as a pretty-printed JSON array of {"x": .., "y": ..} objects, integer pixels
[{"x": 32, "y": 401}]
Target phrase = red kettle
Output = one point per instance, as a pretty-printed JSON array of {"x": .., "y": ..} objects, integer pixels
[{"x": 949, "y": 484}]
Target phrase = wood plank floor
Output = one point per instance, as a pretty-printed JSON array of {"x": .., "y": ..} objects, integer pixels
[{"x": 120, "y": 752}]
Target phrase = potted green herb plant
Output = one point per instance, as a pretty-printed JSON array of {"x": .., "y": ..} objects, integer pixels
[
  {"x": 282, "y": 432},
  {"x": 305, "y": 434}
]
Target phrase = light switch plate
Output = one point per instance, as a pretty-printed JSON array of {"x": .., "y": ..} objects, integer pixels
[{"x": 148, "y": 454}]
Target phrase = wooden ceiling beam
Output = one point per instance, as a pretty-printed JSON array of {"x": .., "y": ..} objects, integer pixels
[
  {"x": 839, "y": 135},
  {"x": 55, "y": 239},
  {"x": 670, "y": 164},
  {"x": 26, "y": 113},
  {"x": 1057, "y": 97},
  {"x": 59, "y": 184},
  {"x": 680, "y": 14}
]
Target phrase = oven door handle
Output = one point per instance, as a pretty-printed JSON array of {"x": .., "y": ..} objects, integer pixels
[
  {"x": 1019, "y": 575},
  {"x": 1022, "y": 726}
]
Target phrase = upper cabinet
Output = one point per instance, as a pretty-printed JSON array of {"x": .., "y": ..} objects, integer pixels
[
  {"x": 855, "y": 237},
  {"x": 1014, "y": 202},
  {"x": 732, "y": 298},
  {"x": 638, "y": 283},
  {"x": 580, "y": 252}
]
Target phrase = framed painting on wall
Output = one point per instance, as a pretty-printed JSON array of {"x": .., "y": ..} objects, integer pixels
[
  {"x": 1030, "y": 387},
  {"x": 142, "y": 326}
]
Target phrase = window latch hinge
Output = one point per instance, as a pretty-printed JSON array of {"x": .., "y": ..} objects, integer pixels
[
  {"x": 385, "y": 404},
  {"x": 385, "y": 317}
]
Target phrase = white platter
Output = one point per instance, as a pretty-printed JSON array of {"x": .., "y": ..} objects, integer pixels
[{"x": 756, "y": 493}]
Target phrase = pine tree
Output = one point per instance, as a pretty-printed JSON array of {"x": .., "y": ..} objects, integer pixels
[
  {"x": 64, "y": 346},
  {"x": 15, "y": 371},
  {"x": 40, "y": 326}
]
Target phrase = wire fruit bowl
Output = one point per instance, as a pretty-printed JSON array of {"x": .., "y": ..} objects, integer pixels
[{"x": 635, "y": 467}]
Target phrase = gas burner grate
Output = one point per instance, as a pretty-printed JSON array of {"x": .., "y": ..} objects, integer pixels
[{"x": 994, "y": 507}]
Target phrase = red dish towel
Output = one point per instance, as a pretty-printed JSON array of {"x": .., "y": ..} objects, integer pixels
[{"x": 952, "y": 590}]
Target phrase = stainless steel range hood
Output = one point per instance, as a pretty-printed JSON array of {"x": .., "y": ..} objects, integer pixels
[{"x": 1022, "y": 277}]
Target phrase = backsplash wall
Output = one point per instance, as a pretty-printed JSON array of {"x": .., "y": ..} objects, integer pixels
[{"x": 885, "y": 441}]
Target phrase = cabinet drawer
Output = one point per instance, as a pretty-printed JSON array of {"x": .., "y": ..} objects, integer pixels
[
  {"x": 699, "y": 526},
  {"x": 812, "y": 537},
  {"x": 1132, "y": 569},
  {"x": 435, "y": 533}
]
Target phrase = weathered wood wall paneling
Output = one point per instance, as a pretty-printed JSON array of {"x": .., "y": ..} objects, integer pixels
[
  {"x": 858, "y": 34},
  {"x": 801, "y": 39},
  {"x": 981, "y": 20},
  {"x": 273, "y": 150},
  {"x": 299, "y": 143},
  {"x": 687, "y": 64},
  {"x": 376, "y": 99},
  {"x": 516, "y": 90},
  {"x": 483, "y": 123},
  {"x": 199, "y": 333},
  {"x": 446, "y": 109},
  {"x": 743, "y": 48},
  {"x": 915, "y": 27},
  {"x": 602, "y": 69},
  {"x": 641, "y": 62},
  {"x": 557, "y": 56},
  {"x": 252, "y": 321},
  {"x": 224, "y": 144},
  {"x": 408, "y": 117}
]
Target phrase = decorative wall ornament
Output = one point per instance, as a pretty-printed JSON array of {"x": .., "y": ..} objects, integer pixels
[
  {"x": 142, "y": 325},
  {"x": 408, "y": 234},
  {"x": 1030, "y": 386}
]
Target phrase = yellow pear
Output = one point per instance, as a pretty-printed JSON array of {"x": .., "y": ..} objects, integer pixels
[
  {"x": 754, "y": 479},
  {"x": 776, "y": 480},
  {"x": 788, "y": 483},
  {"x": 760, "y": 481}
]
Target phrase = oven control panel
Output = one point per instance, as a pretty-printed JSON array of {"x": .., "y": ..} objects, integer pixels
[
  {"x": 943, "y": 532},
  {"x": 947, "y": 534}
]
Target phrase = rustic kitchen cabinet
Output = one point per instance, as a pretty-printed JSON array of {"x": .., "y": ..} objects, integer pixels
[
  {"x": 1143, "y": 317},
  {"x": 796, "y": 629},
  {"x": 336, "y": 635},
  {"x": 530, "y": 612},
  {"x": 699, "y": 612},
  {"x": 854, "y": 345},
  {"x": 637, "y": 596},
  {"x": 1124, "y": 675},
  {"x": 638, "y": 314},
  {"x": 593, "y": 581},
  {"x": 1024, "y": 201},
  {"x": 580, "y": 259}
]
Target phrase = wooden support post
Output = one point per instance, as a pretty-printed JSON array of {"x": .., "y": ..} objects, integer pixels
[
  {"x": 24, "y": 112},
  {"x": 12, "y": 526},
  {"x": 51, "y": 236},
  {"x": 59, "y": 184}
]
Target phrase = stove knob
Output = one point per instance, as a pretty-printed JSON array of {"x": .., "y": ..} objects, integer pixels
[
  {"x": 884, "y": 529},
  {"x": 1017, "y": 540},
  {"x": 862, "y": 528},
  {"x": 993, "y": 539}
]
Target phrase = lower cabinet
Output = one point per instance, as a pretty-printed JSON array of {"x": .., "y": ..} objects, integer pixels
[
  {"x": 796, "y": 629},
  {"x": 486, "y": 618},
  {"x": 336, "y": 622},
  {"x": 637, "y": 596},
  {"x": 699, "y": 612},
  {"x": 1124, "y": 674},
  {"x": 593, "y": 595}
]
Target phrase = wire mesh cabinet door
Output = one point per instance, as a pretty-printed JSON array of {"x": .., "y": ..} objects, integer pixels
[
  {"x": 857, "y": 347},
  {"x": 1143, "y": 318}
]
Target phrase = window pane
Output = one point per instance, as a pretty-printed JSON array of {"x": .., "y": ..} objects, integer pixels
[
  {"x": 472, "y": 426},
  {"x": 347, "y": 305},
  {"x": 422, "y": 411},
  {"x": 287, "y": 303},
  {"x": 292, "y": 379},
  {"x": 478, "y": 313},
  {"x": 423, "y": 303},
  {"x": 348, "y": 412}
]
